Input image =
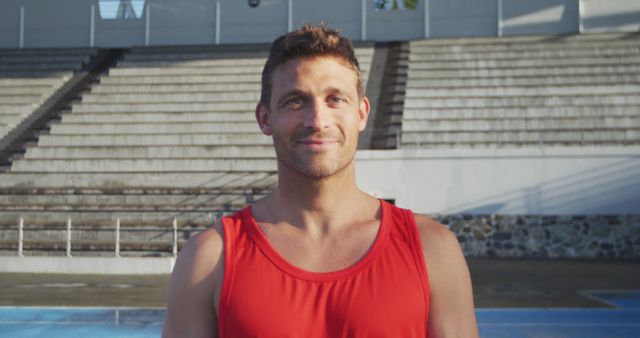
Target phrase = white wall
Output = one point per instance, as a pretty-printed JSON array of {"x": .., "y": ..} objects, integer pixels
[
  {"x": 611, "y": 15},
  {"x": 539, "y": 17},
  {"x": 66, "y": 23},
  {"x": 506, "y": 181},
  {"x": 451, "y": 18}
]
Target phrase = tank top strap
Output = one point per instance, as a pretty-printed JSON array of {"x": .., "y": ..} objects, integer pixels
[
  {"x": 406, "y": 228},
  {"x": 233, "y": 236}
]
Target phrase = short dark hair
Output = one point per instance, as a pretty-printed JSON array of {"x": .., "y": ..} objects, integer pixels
[{"x": 309, "y": 41}]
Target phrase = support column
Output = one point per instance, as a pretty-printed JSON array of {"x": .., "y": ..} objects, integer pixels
[
  {"x": 92, "y": 28},
  {"x": 21, "y": 43},
  {"x": 217, "y": 22},
  {"x": 290, "y": 17},
  {"x": 580, "y": 16},
  {"x": 363, "y": 21},
  {"x": 147, "y": 25},
  {"x": 499, "y": 17},
  {"x": 427, "y": 19}
]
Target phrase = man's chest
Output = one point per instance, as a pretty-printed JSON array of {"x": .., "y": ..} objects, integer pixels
[
  {"x": 393, "y": 306},
  {"x": 329, "y": 254}
]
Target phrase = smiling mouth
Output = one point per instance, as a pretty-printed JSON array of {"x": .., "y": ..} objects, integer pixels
[
  {"x": 317, "y": 141},
  {"x": 317, "y": 144}
]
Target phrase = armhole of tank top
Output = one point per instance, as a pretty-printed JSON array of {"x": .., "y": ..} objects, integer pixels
[
  {"x": 228, "y": 274},
  {"x": 418, "y": 255}
]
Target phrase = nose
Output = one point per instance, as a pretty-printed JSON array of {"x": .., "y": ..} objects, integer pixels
[{"x": 317, "y": 116}]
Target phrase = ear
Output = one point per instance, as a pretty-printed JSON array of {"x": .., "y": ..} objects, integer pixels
[
  {"x": 264, "y": 118},
  {"x": 363, "y": 113}
]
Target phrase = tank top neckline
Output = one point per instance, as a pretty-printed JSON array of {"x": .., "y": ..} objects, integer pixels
[{"x": 256, "y": 234}]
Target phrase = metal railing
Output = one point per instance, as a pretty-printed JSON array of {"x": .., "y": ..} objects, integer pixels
[{"x": 117, "y": 241}]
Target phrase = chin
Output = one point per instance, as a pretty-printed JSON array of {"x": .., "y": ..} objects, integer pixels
[{"x": 318, "y": 171}]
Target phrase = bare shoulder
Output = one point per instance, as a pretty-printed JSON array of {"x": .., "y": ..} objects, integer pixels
[
  {"x": 195, "y": 281},
  {"x": 437, "y": 239},
  {"x": 205, "y": 248},
  {"x": 451, "y": 299}
]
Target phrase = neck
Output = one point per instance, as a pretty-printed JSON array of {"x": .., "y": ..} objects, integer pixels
[{"x": 318, "y": 205}]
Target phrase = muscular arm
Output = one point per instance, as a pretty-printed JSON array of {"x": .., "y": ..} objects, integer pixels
[
  {"x": 195, "y": 280},
  {"x": 452, "y": 313}
]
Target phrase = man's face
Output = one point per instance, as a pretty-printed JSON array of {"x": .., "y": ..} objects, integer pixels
[{"x": 315, "y": 115}]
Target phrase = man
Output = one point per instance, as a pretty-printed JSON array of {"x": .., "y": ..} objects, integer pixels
[{"x": 318, "y": 257}]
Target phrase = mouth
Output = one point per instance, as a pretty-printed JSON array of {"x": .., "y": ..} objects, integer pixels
[{"x": 314, "y": 143}]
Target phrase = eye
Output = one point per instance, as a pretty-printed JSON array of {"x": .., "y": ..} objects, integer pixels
[
  {"x": 335, "y": 99},
  {"x": 295, "y": 102}
]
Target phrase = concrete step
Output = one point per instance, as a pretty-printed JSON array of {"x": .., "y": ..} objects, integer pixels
[
  {"x": 165, "y": 152},
  {"x": 30, "y": 73},
  {"x": 48, "y": 51},
  {"x": 522, "y": 39},
  {"x": 224, "y": 51},
  {"x": 184, "y": 56},
  {"x": 222, "y": 70},
  {"x": 144, "y": 165},
  {"x": 530, "y": 112},
  {"x": 180, "y": 79},
  {"x": 155, "y": 140},
  {"x": 526, "y": 72},
  {"x": 140, "y": 98},
  {"x": 54, "y": 80},
  {"x": 131, "y": 117},
  {"x": 477, "y": 124},
  {"x": 551, "y": 101},
  {"x": 25, "y": 91},
  {"x": 150, "y": 202},
  {"x": 523, "y": 91},
  {"x": 616, "y": 137},
  {"x": 524, "y": 62},
  {"x": 107, "y": 89},
  {"x": 595, "y": 80},
  {"x": 155, "y": 128},
  {"x": 47, "y": 59},
  {"x": 539, "y": 42},
  {"x": 528, "y": 54},
  {"x": 131, "y": 182},
  {"x": 20, "y": 99},
  {"x": 15, "y": 109},
  {"x": 164, "y": 107},
  {"x": 195, "y": 63},
  {"x": 53, "y": 66}
]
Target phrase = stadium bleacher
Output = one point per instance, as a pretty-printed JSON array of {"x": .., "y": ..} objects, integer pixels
[
  {"x": 523, "y": 91},
  {"x": 168, "y": 132}
]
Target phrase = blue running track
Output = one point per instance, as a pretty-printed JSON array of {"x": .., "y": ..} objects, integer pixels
[{"x": 621, "y": 322}]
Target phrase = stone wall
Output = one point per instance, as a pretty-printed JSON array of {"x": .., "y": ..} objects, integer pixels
[{"x": 532, "y": 236}]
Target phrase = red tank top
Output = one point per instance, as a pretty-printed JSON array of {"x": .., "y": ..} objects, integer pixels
[{"x": 385, "y": 294}]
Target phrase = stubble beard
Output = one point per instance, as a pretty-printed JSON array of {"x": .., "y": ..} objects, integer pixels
[{"x": 316, "y": 166}]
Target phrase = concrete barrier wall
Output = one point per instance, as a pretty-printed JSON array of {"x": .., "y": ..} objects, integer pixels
[
  {"x": 536, "y": 181},
  {"x": 67, "y": 23},
  {"x": 88, "y": 265}
]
